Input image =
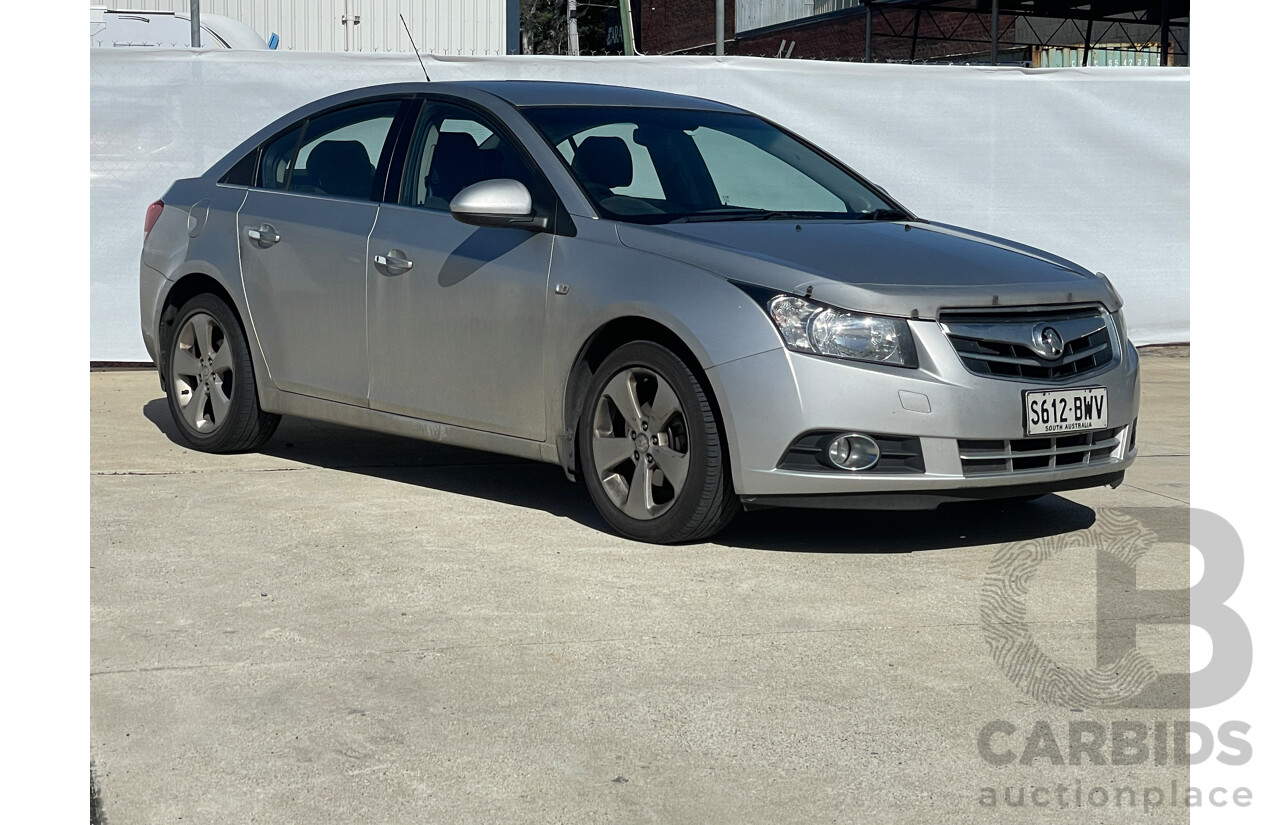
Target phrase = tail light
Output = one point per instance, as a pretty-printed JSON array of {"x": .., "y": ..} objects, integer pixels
[{"x": 153, "y": 215}]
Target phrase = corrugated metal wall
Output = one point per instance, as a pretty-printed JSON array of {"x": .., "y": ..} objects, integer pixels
[
  {"x": 756, "y": 14},
  {"x": 1054, "y": 57},
  {"x": 826, "y": 6},
  {"x": 444, "y": 27}
]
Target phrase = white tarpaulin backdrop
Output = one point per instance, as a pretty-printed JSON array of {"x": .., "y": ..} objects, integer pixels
[{"x": 1091, "y": 164}]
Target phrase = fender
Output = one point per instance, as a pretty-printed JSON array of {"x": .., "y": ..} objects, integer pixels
[{"x": 625, "y": 283}]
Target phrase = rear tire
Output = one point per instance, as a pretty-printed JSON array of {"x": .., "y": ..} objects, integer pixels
[
  {"x": 653, "y": 456},
  {"x": 210, "y": 383}
]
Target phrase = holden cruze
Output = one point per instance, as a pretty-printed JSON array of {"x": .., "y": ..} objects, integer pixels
[{"x": 681, "y": 303}]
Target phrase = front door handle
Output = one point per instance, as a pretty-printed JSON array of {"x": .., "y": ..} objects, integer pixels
[
  {"x": 394, "y": 262},
  {"x": 264, "y": 235}
]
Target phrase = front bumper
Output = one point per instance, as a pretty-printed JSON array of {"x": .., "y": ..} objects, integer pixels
[{"x": 770, "y": 399}]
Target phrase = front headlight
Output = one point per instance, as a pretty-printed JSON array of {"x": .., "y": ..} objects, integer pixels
[{"x": 819, "y": 330}]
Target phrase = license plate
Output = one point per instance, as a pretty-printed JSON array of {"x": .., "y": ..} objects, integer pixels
[{"x": 1053, "y": 412}]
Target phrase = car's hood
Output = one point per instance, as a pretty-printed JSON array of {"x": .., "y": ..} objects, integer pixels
[{"x": 895, "y": 268}]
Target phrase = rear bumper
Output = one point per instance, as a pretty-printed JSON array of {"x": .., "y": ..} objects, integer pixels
[
  {"x": 770, "y": 399},
  {"x": 151, "y": 288}
]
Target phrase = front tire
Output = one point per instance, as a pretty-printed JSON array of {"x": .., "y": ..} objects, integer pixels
[
  {"x": 653, "y": 457},
  {"x": 210, "y": 383}
]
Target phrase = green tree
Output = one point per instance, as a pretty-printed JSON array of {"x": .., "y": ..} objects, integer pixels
[{"x": 544, "y": 27}]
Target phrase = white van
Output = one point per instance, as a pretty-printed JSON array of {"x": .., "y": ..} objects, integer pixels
[{"x": 109, "y": 28}]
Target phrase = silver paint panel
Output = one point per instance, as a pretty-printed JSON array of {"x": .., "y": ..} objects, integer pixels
[
  {"x": 884, "y": 267},
  {"x": 459, "y": 338},
  {"x": 773, "y": 397},
  {"x": 493, "y": 197},
  {"x": 307, "y": 292}
]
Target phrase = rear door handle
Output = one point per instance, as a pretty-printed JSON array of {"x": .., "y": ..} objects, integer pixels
[
  {"x": 394, "y": 262},
  {"x": 264, "y": 235}
]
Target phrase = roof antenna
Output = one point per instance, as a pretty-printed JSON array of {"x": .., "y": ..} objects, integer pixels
[{"x": 415, "y": 49}]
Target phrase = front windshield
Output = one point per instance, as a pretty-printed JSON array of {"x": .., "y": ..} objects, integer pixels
[{"x": 649, "y": 165}]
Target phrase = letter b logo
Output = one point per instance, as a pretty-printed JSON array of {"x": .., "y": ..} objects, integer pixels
[{"x": 1123, "y": 676}]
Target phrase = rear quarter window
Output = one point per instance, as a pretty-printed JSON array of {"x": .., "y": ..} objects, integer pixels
[{"x": 245, "y": 172}]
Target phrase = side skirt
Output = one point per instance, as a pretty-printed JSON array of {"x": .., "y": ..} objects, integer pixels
[{"x": 334, "y": 412}]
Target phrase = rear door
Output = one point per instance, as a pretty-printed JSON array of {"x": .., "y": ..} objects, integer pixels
[
  {"x": 304, "y": 235},
  {"x": 457, "y": 335}
]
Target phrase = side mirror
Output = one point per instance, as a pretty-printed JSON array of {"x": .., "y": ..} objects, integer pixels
[{"x": 499, "y": 202}]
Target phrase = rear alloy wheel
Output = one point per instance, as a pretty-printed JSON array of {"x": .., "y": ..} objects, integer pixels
[
  {"x": 652, "y": 454},
  {"x": 211, "y": 390}
]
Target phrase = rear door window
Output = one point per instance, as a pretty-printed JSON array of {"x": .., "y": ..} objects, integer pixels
[
  {"x": 341, "y": 150},
  {"x": 277, "y": 158}
]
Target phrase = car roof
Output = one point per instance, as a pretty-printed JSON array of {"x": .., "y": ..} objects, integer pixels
[
  {"x": 521, "y": 93},
  {"x": 555, "y": 93},
  {"x": 517, "y": 93}
]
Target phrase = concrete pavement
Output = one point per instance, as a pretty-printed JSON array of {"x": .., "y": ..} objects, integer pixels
[{"x": 355, "y": 628}]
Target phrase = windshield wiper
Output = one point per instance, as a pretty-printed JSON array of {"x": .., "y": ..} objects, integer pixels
[
  {"x": 745, "y": 215},
  {"x": 888, "y": 214},
  {"x": 725, "y": 215}
]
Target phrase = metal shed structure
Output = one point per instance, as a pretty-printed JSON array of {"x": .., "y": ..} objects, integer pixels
[
  {"x": 443, "y": 27},
  {"x": 1033, "y": 33},
  {"x": 1018, "y": 25}
]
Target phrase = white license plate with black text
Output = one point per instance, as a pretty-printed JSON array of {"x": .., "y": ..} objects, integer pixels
[{"x": 1054, "y": 412}]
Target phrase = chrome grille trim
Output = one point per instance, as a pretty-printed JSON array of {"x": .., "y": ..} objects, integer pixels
[
  {"x": 1071, "y": 359},
  {"x": 990, "y": 457},
  {"x": 996, "y": 342}
]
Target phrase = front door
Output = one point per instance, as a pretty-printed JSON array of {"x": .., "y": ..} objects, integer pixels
[{"x": 457, "y": 312}]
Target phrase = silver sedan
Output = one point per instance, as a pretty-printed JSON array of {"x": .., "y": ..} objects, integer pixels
[{"x": 683, "y": 304}]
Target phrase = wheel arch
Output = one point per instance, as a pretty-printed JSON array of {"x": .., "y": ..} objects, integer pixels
[
  {"x": 182, "y": 290},
  {"x": 608, "y": 337}
]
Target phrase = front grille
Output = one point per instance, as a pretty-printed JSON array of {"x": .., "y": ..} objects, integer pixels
[
  {"x": 997, "y": 343},
  {"x": 898, "y": 454},
  {"x": 996, "y": 457}
]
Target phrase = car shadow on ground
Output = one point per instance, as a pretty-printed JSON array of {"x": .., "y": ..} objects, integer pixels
[{"x": 539, "y": 486}]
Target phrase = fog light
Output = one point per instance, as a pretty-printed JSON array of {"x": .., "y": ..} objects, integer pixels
[{"x": 851, "y": 451}]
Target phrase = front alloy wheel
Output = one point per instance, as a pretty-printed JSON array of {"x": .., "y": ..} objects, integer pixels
[
  {"x": 652, "y": 453},
  {"x": 640, "y": 443}
]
